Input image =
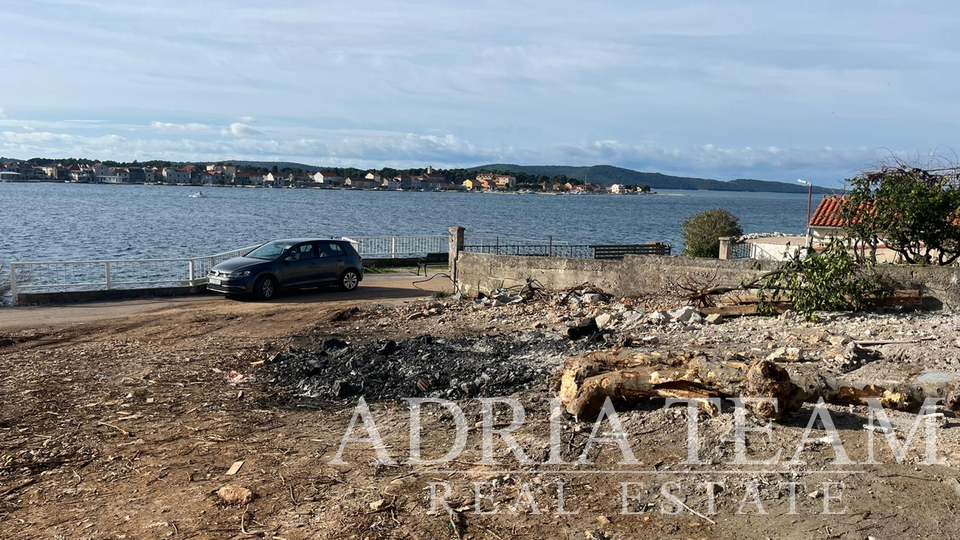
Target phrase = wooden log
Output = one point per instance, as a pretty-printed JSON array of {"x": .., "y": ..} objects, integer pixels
[{"x": 586, "y": 382}]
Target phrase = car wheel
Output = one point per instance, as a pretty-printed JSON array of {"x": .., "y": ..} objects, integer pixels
[
  {"x": 349, "y": 280},
  {"x": 265, "y": 288}
]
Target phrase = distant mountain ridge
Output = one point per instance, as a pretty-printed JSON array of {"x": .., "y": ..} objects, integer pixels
[{"x": 607, "y": 175}]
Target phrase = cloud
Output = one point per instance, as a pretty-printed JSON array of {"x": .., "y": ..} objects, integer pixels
[
  {"x": 247, "y": 119},
  {"x": 240, "y": 130},
  {"x": 1, "y": 113},
  {"x": 166, "y": 126}
]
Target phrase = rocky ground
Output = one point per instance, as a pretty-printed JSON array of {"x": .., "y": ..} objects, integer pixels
[{"x": 135, "y": 427}]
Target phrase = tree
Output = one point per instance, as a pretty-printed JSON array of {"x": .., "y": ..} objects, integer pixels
[
  {"x": 830, "y": 280},
  {"x": 914, "y": 211},
  {"x": 702, "y": 232}
]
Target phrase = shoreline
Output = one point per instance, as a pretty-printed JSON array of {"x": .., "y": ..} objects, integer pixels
[{"x": 211, "y": 186}]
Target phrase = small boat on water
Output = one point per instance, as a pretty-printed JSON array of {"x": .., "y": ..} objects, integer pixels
[{"x": 197, "y": 195}]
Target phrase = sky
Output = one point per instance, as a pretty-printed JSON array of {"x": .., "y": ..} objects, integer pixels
[{"x": 774, "y": 90}]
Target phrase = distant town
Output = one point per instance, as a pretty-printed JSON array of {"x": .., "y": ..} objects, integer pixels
[{"x": 228, "y": 174}]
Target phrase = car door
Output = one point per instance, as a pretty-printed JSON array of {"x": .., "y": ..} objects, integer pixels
[
  {"x": 299, "y": 266},
  {"x": 331, "y": 261}
]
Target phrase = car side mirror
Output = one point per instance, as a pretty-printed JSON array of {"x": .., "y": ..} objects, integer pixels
[{"x": 290, "y": 258}]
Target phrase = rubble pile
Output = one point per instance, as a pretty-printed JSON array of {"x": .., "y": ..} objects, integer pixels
[{"x": 423, "y": 366}]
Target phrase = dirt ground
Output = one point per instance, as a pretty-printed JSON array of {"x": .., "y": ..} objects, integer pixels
[{"x": 127, "y": 426}]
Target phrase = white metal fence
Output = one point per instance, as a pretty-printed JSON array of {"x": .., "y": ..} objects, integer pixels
[{"x": 64, "y": 276}]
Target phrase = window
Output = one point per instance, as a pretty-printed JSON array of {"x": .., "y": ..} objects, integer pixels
[
  {"x": 307, "y": 251},
  {"x": 329, "y": 249}
]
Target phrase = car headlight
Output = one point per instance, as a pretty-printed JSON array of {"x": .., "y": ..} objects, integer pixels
[{"x": 239, "y": 273}]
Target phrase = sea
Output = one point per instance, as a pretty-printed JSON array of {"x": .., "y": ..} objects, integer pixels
[{"x": 61, "y": 221}]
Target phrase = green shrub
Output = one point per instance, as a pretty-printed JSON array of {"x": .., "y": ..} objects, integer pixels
[{"x": 702, "y": 232}]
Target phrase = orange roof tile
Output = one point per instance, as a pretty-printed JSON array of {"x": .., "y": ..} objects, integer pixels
[{"x": 828, "y": 213}]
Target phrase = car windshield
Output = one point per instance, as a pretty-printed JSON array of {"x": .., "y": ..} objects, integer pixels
[{"x": 269, "y": 251}]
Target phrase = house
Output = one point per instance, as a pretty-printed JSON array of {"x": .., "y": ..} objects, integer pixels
[
  {"x": 276, "y": 179},
  {"x": 31, "y": 173},
  {"x": 173, "y": 175},
  {"x": 501, "y": 181},
  {"x": 470, "y": 184},
  {"x": 78, "y": 173},
  {"x": 228, "y": 170},
  {"x": 327, "y": 178},
  {"x": 361, "y": 183},
  {"x": 247, "y": 178},
  {"x": 214, "y": 177},
  {"x": 408, "y": 182},
  {"x": 56, "y": 172},
  {"x": 618, "y": 189},
  {"x": 375, "y": 176},
  {"x": 433, "y": 184},
  {"x": 136, "y": 175},
  {"x": 122, "y": 175},
  {"x": 104, "y": 174},
  {"x": 391, "y": 184}
]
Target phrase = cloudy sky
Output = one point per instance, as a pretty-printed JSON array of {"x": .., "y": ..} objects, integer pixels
[{"x": 767, "y": 89}]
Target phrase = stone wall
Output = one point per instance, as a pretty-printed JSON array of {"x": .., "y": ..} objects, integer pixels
[
  {"x": 642, "y": 275},
  {"x": 635, "y": 275}
]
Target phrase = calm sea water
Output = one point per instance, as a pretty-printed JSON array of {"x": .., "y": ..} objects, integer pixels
[{"x": 48, "y": 221}]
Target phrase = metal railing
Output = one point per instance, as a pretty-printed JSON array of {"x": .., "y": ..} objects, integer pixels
[
  {"x": 398, "y": 246},
  {"x": 564, "y": 251},
  {"x": 742, "y": 250},
  {"x": 393, "y": 247},
  {"x": 567, "y": 251},
  {"x": 66, "y": 276}
]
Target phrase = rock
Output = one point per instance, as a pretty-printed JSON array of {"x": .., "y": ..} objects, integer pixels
[
  {"x": 378, "y": 505},
  {"x": 603, "y": 320},
  {"x": 592, "y": 298},
  {"x": 585, "y": 328},
  {"x": 235, "y": 495},
  {"x": 855, "y": 357},
  {"x": 334, "y": 343},
  {"x": 687, "y": 315},
  {"x": 714, "y": 318},
  {"x": 659, "y": 317},
  {"x": 650, "y": 340},
  {"x": 839, "y": 341},
  {"x": 388, "y": 348},
  {"x": 786, "y": 354},
  {"x": 537, "y": 325},
  {"x": 343, "y": 389},
  {"x": 632, "y": 319}
]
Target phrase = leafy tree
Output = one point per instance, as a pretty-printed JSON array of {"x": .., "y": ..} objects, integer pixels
[
  {"x": 914, "y": 211},
  {"x": 833, "y": 279},
  {"x": 702, "y": 232}
]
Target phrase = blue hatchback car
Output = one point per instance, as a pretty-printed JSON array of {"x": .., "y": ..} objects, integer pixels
[{"x": 288, "y": 264}]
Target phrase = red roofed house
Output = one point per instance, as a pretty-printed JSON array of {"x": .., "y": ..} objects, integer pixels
[{"x": 826, "y": 221}]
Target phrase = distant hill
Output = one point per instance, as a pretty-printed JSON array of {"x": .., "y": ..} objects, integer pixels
[
  {"x": 279, "y": 164},
  {"x": 607, "y": 175}
]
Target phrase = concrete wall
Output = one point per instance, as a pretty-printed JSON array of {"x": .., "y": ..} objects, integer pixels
[
  {"x": 642, "y": 275},
  {"x": 635, "y": 275},
  {"x": 45, "y": 298}
]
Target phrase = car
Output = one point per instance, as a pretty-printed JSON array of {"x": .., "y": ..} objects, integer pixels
[{"x": 288, "y": 264}]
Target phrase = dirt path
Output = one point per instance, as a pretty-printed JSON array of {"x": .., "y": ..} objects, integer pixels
[{"x": 374, "y": 287}]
